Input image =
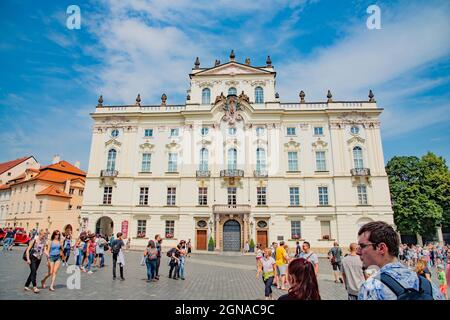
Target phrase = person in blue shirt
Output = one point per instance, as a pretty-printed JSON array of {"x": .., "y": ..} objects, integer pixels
[{"x": 378, "y": 246}]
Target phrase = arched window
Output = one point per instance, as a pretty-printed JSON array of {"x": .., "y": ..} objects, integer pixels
[
  {"x": 206, "y": 96},
  {"x": 203, "y": 160},
  {"x": 232, "y": 159},
  {"x": 260, "y": 159},
  {"x": 259, "y": 95},
  {"x": 358, "y": 158},
  {"x": 232, "y": 90},
  {"x": 111, "y": 164}
]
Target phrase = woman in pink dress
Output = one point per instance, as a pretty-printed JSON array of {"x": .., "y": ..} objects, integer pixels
[{"x": 447, "y": 269}]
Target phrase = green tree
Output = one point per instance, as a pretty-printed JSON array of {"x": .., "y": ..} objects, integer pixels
[{"x": 415, "y": 210}]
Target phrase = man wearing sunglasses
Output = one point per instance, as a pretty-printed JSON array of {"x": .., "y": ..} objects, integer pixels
[{"x": 378, "y": 246}]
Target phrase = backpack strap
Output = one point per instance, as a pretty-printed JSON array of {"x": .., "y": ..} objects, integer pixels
[
  {"x": 392, "y": 284},
  {"x": 425, "y": 286}
]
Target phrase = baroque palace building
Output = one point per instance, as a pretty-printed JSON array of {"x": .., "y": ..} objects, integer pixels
[{"x": 234, "y": 163}]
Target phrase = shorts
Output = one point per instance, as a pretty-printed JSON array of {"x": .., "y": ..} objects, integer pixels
[
  {"x": 336, "y": 266},
  {"x": 54, "y": 258},
  {"x": 281, "y": 270},
  {"x": 443, "y": 288}
]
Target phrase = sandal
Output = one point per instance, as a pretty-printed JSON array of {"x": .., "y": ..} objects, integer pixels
[
  {"x": 51, "y": 289},
  {"x": 26, "y": 289}
]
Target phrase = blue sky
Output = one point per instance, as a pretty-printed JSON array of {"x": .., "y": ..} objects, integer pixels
[{"x": 51, "y": 76}]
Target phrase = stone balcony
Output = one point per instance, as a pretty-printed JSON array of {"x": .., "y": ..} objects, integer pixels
[
  {"x": 260, "y": 173},
  {"x": 360, "y": 172},
  {"x": 231, "y": 208},
  {"x": 203, "y": 173},
  {"x": 232, "y": 173}
]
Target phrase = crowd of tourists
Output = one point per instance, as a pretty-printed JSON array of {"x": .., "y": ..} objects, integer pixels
[{"x": 378, "y": 267}]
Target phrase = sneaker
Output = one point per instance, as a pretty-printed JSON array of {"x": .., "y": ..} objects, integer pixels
[
  {"x": 36, "y": 290},
  {"x": 26, "y": 289},
  {"x": 182, "y": 278},
  {"x": 122, "y": 279},
  {"x": 90, "y": 272},
  {"x": 114, "y": 278}
]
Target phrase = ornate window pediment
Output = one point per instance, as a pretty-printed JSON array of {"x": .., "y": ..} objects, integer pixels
[
  {"x": 292, "y": 146},
  {"x": 319, "y": 144},
  {"x": 258, "y": 83},
  {"x": 173, "y": 146},
  {"x": 147, "y": 146},
  {"x": 112, "y": 142},
  {"x": 355, "y": 139}
]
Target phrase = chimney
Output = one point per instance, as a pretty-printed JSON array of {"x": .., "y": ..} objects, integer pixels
[
  {"x": 56, "y": 159},
  {"x": 77, "y": 164}
]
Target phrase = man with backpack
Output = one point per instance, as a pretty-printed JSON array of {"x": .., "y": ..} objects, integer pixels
[
  {"x": 335, "y": 256},
  {"x": 158, "y": 241},
  {"x": 116, "y": 247},
  {"x": 174, "y": 263},
  {"x": 378, "y": 246}
]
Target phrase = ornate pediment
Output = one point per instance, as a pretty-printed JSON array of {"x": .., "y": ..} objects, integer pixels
[
  {"x": 260, "y": 142},
  {"x": 173, "y": 146},
  {"x": 231, "y": 142},
  {"x": 355, "y": 139},
  {"x": 232, "y": 68},
  {"x": 147, "y": 146},
  {"x": 292, "y": 146},
  {"x": 112, "y": 142},
  {"x": 319, "y": 144}
]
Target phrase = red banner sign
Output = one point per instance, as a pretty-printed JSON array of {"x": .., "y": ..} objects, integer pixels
[{"x": 125, "y": 229}]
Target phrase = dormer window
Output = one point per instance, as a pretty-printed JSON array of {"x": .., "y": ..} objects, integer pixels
[
  {"x": 259, "y": 95},
  {"x": 232, "y": 90},
  {"x": 206, "y": 96}
]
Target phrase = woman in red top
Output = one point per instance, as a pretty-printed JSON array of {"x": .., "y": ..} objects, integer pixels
[{"x": 91, "y": 253}]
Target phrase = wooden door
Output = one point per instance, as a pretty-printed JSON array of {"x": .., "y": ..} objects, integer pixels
[
  {"x": 261, "y": 237},
  {"x": 201, "y": 240}
]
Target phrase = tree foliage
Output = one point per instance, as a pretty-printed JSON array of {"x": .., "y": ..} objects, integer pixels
[{"x": 419, "y": 192}]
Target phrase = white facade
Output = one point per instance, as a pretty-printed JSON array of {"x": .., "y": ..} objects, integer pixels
[{"x": 329, "y": 140}]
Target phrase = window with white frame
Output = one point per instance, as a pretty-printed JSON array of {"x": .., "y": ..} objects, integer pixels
[
  {"x": 232, "y": 159},
  {"x": 107, "y": 195},
  {"x": 206, "y": 96},
  {"x": 232, "y": 196},
  {"x": 148, "y": 133},
  {"x": 146, "y": 162},
  {"x": 261, "y": 195},
  {"x": 259, "y": 95},
  {"x": 290, "y": 131},
  {"x": 321, "y": 163},
  {"x": 358, "y": 158},
  {"x": 170, "y": 228},
  {"x": 203, "y": 165},
  {"x": 362, "y": 194},
  {"x": 292, "y": 161},
  {"x": 143, "y": 196},
  {"x": 294, "y": 196},
  {"x": 141, "y": 228},
  {"x": 259, "y": 131},
  {"x": 31, "y": 207},
  {"x": 323, "y": 196},
  {"x": 202, "y": 196},
  {"x": 204, "y": 131},
  {"x": 80, "y": 192},
  {"x": 174, "y": 132},
  {"x": 318, "y": 131},
  {"x": 71, "y": 190},
  {"x": 325, "y": 228},
  {"x": 111, "y": 163},
  {"x": 232, "y": 90},
  {"x": 296, "y": 230},
  {"x": 171, "y": 196},
  {"x": 260, "y": 159},
  {"x": 173, "y": 159},
  {"x": 232, "y": 131}
]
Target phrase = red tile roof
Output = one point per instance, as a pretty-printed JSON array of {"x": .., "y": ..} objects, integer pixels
[
  {"x": 5, "y": 166},
  {"x": 66, "y": 167},
  {"x": 53, "y": 191}
]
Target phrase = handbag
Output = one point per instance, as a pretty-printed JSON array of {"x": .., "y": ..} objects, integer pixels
[{"x": 24, "y": 256}]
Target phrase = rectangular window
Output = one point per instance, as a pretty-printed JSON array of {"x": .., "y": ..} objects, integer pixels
[
  {"x": 295, "y": 230},
  {"x": 170, "y": 228},
  {"x": 259, "y": 131},
  {"x": 143, "y": 196},
  {"x": 141, "y": 228},
  {"x": 261, "y": 196},
  {"x": 318, "y": 131},
  {"x": 362, "y": 194},
  {"x": 171, "y": 196},
  {"x": 290, "y": 131},
  {"x": 40, "y": 206},
  {"x": 232, "y": 196},
  {"x": 71, "y": 190},
  {"x": 174, "y": 132},
  {"x": 326, "y": 230},
  {"x": 24, "y": 207},
  {"x": 148, "y": 133},
  {"x": 31, "y": 207},
  {"x": 292, "y": 161},
  {"x": 202, "y": 196},
  {"x": 321, "y": 164},
  {"x": 323, "y": 196},
  {"x": 146, "y": 162},
  {"x": 80, "y": 192},
  {"x": 173, "y": 162},
  {"x": 294, "y": 196},
  {"x": 107, "y": 195}
]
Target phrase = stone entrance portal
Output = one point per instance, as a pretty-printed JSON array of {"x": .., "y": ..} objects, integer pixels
[{"x": 232, "y": 236}]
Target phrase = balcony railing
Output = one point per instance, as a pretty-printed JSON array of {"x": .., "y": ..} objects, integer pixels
[
  {"x": 109, "y": 173},
  {"x": 360, "y": 172},
  {"x": 203, "y": 173},
  {"x": 260, "y": 173},
  {"x": 231, "y": 208},
  {"x": 231, "y": 173}
]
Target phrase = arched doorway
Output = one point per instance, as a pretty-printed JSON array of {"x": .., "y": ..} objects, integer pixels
[
  {"x": 231, "y": 236},
  {"x": 68, "y": 229},
  {"x": 104, "y": 226}
]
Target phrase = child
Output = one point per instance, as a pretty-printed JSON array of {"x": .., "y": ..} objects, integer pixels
[{"x": 442, "y": 281}]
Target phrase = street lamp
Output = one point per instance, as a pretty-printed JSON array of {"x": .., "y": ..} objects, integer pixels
[{"x": 251, "y": 227}]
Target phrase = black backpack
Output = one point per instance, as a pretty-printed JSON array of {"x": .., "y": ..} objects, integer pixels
[
  {"x": 170, "y": 252},
  {"x": 116, "y": 246},
  {"x": 425, "y": 291}
]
